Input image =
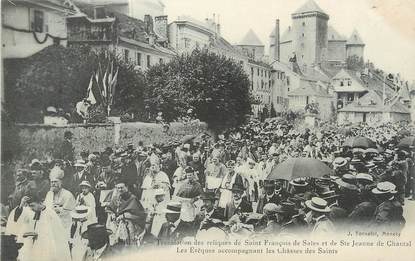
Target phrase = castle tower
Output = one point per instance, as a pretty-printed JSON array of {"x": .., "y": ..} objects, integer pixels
[
  {"x": 310, "y": 34},
  {"x": 252, "y": 46},
  {"x": 355, "y": 45}
]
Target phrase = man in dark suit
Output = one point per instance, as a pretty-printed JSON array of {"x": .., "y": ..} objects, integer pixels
[
  {"x": 66, "y": 152},
  {"x": 238, "y": 204},
  {"x": 270, "y": 196},
  {"x": 98, "y": 243},
  {"x": 211, "y": 216},
  {"x": 175, "y": 229}
]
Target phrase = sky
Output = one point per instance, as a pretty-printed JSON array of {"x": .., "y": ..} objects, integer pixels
[{"x": 386, "y": 26}]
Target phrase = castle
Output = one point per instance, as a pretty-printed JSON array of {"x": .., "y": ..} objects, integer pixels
[{"x": 312, "y": 41}]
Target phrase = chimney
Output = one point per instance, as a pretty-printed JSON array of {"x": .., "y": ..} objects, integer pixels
[
  {"x": 218, "y": 26},
  {"x": 277, "y": 40}
]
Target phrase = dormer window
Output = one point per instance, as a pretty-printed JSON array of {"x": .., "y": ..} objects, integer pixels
[
  {"x": 349, "y": 83},
  {"x": 99, "y": 12},
  {"x": 342, "y": 83}
]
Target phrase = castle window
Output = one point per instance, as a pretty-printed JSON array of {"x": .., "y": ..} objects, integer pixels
[
  {"x": 303, "y": 23},
  {"x": 341, "y": 83},
  {"x": 138, "y": 58},
  {"x": 349, "y": 83},
  {"x": 126, "y": 55},
  {"x": 302, "y": 34}
]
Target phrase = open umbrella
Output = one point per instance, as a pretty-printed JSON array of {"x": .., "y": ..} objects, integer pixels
[
  {"x": 359, "y": 142},
  {"x": 188, "y": 138},
  {"x": 407, "y": 142},
  {"x": 299, "y": 167}
]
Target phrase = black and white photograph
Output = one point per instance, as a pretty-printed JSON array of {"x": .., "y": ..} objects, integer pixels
[{"x": 207, "y": 130}]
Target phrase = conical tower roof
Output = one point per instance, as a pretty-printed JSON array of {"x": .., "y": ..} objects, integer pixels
[
  {"x": 251, "y": 39},
  {"x": 355, "y": 39},
  {"x": 309, "y": 6}
]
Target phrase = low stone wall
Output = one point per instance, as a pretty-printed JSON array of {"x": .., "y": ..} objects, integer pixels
[{"x": 43, "y": 141}]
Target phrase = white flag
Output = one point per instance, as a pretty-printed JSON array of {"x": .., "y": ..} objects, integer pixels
[{"x": 91, "y": 96}]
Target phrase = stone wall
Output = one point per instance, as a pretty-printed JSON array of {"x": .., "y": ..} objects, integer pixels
[{"x": 43, "y": 141}]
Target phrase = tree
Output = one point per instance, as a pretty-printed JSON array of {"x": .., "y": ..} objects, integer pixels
[
  {"x": 215, "y": 87},
  {"x": 59, "y": 76}
]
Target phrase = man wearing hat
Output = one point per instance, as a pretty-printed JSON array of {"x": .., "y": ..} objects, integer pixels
[
  {"x": 270, "y": 196},
  {"x": 60, "y": 199},
  {"x": 225, "y": 188},
  {"x": 86, "y": 198},
  {"x": 175, "y": 229},
  {"x": 40, "y": 184},
  {"x": 269, "y": 221},
  {"x": 340, "y": 166},
  {"x": 388, "y": 214},
  {"x": 210, "y": 215},
  {"x": 348, "y": 192},
  {"x": 98, "y": 243},
  {"x": 66, "y": 152},
  {"x": 298, "y": 186},
  {"x": 78, "y": 245},
  {"x": 238, "y": 204},
  {"x": 321, "y": 223}
]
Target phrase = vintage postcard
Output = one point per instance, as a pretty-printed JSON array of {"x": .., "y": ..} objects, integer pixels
[{"x": 207, "y": 130}]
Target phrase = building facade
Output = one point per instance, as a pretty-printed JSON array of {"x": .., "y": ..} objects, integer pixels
[
  {"x": 29, "y": 26},
  {"x": 133, "y": 8},
  {"x": 132, "y": 39}
]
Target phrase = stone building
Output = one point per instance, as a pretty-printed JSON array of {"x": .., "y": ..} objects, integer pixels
[
  {"x": 132, "y": 39},
  {"x": 312, "y": 41},
  {"x": 133, "y": 8},
  {"x": 371, "y": 109},
  {"x": 251, "y": 46}
]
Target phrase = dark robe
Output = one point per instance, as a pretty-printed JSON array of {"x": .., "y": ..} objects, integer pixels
[
  {"x": 183, "y": 229},
  {"x": 263, "y": 200}
]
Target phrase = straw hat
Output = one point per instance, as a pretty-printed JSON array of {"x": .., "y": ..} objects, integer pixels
[{"x": 317, "y": 204}]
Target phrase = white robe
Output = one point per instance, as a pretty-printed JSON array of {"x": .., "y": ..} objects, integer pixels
[
  {"x": 150, "y": 184},
  {"x": 65, "y": 202},
  {"x": 51, "y": 243},
  {"x": 89, "y": 201}
]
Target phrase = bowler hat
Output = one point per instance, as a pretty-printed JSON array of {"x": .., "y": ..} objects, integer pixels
[
  {"x": 209, "y": 195},
  {"x": 95, "y": 231},
  {"x": 236, "y": 187},
  {"x": 173, "y": 208}
]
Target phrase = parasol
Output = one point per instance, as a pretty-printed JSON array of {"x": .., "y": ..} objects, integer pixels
[
  {"x": 359, "y": 142},
  {"x": 299, "y": 167},
  {"x": 188, "y": 138}
]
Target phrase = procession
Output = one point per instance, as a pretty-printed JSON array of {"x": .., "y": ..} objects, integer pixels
[
  {"x": 263, "y": 180},
  {"x": 131, "y": 129}
]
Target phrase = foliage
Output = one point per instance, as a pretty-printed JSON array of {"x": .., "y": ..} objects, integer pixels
[
  {"x": 215, "y": 87},
  {"x": 355, "y": 63},
  {"x": 59, "y": 76}
]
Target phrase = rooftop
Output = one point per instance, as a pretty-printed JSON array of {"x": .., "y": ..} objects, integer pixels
[
  {"x": 251, "y": 39},
  {"x": 333, "y": 35},
  {"x": 355, "y": 39},
  {"x": 309, "y": 7}
]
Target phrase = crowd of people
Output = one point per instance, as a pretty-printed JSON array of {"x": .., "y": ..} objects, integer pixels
[{"x": 99, "y": 204}]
